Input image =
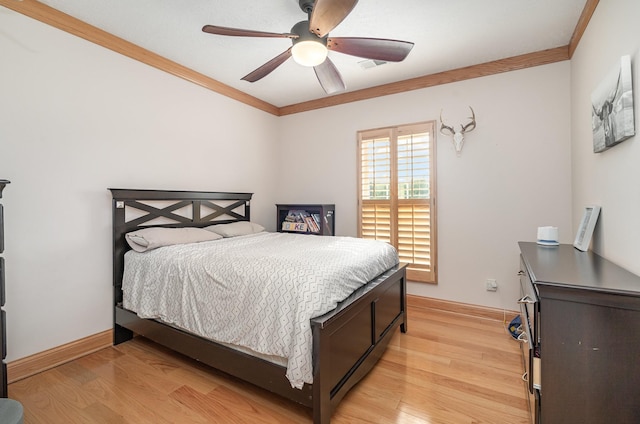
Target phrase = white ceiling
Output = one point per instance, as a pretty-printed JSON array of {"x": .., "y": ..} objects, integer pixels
[{"x": 448, "y": 34}]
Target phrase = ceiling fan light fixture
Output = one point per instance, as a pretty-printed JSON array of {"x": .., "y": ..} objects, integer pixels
[{"x": 309, "y": 52}]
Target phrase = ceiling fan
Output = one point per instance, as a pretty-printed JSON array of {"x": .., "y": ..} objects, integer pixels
[{"x": 311, "y": 43}]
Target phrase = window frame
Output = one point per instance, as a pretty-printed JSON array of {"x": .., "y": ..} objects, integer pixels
[{"x": 393, "y": 133}]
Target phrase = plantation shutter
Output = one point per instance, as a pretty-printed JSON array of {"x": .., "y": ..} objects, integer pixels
[
  {"x": 395, "y": 193},
  {"x": 376, "y": 188}
]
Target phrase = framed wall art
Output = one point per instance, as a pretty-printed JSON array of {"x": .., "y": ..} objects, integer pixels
[
  {"x": 612, "y": 108},
  {"x": 587, "y": 225}
]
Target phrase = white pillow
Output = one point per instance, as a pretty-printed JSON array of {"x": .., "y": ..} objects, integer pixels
[
  {"x": 233, "y": 229},
  {"x": 152, "y": 238}
]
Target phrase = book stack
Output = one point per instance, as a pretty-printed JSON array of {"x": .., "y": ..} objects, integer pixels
[{"x": 302, "y": 221}]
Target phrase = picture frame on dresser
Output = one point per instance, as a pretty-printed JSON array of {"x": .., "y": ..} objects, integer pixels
[{"x": 587, "y": 225}]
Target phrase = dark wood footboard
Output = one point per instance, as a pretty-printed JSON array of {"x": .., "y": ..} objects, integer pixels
[{"x": 347, "y": 342}]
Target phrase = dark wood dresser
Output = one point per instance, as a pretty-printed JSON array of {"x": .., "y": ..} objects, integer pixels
[
  {"x": 3, "y": 323},
  {"x": 584, "y": 318}
]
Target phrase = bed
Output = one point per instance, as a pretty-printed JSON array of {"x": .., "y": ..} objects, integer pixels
[{"x": 346, "y": 341}]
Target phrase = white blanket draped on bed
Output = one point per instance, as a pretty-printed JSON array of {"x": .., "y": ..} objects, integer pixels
[{"x": 258, "y": 291}]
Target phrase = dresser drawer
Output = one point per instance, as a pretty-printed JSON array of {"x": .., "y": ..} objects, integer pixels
[
  {"x": 3, "y": 329},
  {"x": 1, "y": 230},
  {"x": 1, "y": 282}
]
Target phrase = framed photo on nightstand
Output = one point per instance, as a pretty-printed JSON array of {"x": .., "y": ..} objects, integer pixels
[{"x": 587, "y": 225}]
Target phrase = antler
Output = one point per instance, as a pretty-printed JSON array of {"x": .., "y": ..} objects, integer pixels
[
  {"x": 470, "y": 126},
  {"x": 445, "y": 127}
]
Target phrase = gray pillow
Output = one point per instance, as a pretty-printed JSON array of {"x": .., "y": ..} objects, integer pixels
[
  {"x": 234, "y": 229},
  {"x": 152, "y": 238}
]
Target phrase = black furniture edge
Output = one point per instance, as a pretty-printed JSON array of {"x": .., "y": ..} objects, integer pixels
[
  {"x": 3, "y": 319},
  {"x": 3, "y": 183}
]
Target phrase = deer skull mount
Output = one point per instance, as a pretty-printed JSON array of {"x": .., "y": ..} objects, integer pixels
[{"x": 458, "y": 136}]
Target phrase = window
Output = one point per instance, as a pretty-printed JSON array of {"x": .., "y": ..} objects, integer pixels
[{"x": 396, "y": 172}]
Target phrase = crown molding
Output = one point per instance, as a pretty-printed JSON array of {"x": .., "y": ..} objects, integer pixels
[
  {"x": 485, "y": 69},
  {"x": 582, "y": 24}
]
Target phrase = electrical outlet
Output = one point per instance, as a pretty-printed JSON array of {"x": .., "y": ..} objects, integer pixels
[{"x": 491, "y": 284}]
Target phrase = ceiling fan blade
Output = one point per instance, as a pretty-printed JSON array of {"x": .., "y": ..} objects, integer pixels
[
  {"x": 327, "y": 14},
  {"x": 371, "y": 48},
  {"x": 329, "y": 77},
  {"x": 268, "y": 67},
  {"x": 237, "y": 32}
]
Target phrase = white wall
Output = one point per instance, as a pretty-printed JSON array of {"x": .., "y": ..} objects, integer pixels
[
  {"x": 609, "y": 179},
  {"x": 514, "y": 173},
  {"x": 76, "y": 119}
]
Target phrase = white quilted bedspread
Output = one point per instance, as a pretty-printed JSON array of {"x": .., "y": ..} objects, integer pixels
[{"x": 258, "y": 291}]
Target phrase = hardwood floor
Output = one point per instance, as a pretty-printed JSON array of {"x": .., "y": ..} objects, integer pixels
[{"x": 448, "y": 369}]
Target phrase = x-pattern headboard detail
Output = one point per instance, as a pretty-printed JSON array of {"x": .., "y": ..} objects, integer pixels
[
  {"x": 196, "y": 207},
  {"x": 168, "y": 208}
]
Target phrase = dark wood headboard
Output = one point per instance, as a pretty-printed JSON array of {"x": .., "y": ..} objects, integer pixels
[{"x": 136, "y": 209}]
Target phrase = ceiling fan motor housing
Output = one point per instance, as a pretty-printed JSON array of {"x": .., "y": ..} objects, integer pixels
[
  {"x": 306, "y": 5},
  {"x": 301, "y": 29}
]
